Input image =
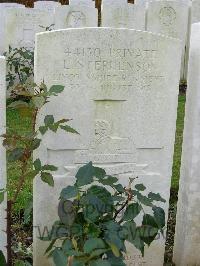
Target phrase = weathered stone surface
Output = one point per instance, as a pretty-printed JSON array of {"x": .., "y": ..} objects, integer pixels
[
  {"x": 125, "y": 16},
  {"x": 22, "y": 24},
  {"x": 187, "y": 238},
  {"x": 3, "y": 7},
  {"x": 170, "y": 18},
  {"x": 119, "y": 84},
  {"x": 2, "y": 151},
  {"x": 145, "y": 2},
  {"x": 195, "y": 11},
  {"x": 76, "y": 17},
  {"x": 47, "y": 5},
  {"x": 114, "y": 2},
  {"x": 88, "y": 3}
]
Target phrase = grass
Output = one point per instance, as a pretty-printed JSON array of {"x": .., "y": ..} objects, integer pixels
[
  {"x": 23, "y": 125},
  {"x": 19, "y": 125},
  {"x": 178, "y": 143}
]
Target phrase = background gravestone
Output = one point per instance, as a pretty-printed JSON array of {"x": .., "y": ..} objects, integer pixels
[
  {"x": 125, "y": 16},
  {"x": 47, "y": 5},
  {"x": 3, "y": 7},
  {"x": 3, "y": 241},
  {"x": 88, "y": 3},
  {"x": 170, "y": 18},
  {"x": 76, "y": 17},
  {"x": 22, "y": 25},
  {"x": 195, "y": 11},
  {"x": 118, "y": 92},
  {"x": 187, "y": 238},
  {"x": 114, "y": 2}
]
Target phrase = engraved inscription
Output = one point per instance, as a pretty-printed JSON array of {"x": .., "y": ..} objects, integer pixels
[
  {"x": 75, "y": 19},
  {"x": 117, "y": 69},
  {"x": 27, "y": 38},
  {"x": 120, "y": 16},
  {"x": 135, "y": 260},
  {"x": 167, "y": 16}
]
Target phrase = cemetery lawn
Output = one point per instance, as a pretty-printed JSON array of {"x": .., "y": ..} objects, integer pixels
[
  {"x": 178, "y": 142},
  {"x": 21, "y": 126},
  {"x": 15, "y": 122}
]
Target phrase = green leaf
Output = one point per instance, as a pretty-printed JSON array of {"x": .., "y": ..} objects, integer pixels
[
  {"x": 115, "y": 250},
  {"x": 35, "y": 144},
  {"x": 159, "y": 216},
  {"x": 132, "y": 211},
  {"x": 47, "y": 178},
  {"x": 114, "y": 261},
  {"x": 28, "y": 210},
  {"x": 38, "y": 101},
  {"x": 92, "y": 208},
  {"x": 112, "y": 226},
  {"x": 55, "y": 89},
  {"x": 156, "y": 197},
  {"x": 68, "y": 129},
  {"x": 43, "y": 129},
  {"x": 108, "y": 180},
  {"x": 113, "y": 239},
  {"x": 2, "y": 259},
  {"x": 99, "y": 172},
  {"x": 101, "y": 193},
  {"x": 138, "y": 242},
  {"x": 129, "y": 231},
  {"x": 50, "y": 246},
  {"x": 77, "y": 263},
  {"x": 48, "y": 120},
  {"x": 147, "y": 233},
  {"x": 15, "y": 154},
  {"x": 97, "y": 253},
  {"x": 92, "y": 244},
  {"x": 54, "y": 127},
  {"x": 66, "y": 212},
  {"x": 67, "y": 245},
  {"x": 119, "y": 188},
  {"x": 2, "y": 192},
  {"x": 85, "y": 174},
  {"x": 100, "y": 262},
  {"x": 69, "y": 192},
  {"x": 37, "y": 164},
  {"x": 59, "y": 258},
  {"x": 144, "y": 200},
  {"x": 49, "y": 167},
  {"x": 140, "y": 187},
  {"x": 149, "y": 220}
]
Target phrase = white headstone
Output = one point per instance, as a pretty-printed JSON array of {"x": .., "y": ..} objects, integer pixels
[
  {"x": 76, "y": 17},
  {"x": 119, "y": 84},
  {"x": 3, "y": 178},
  {"x": 187, "y": 238},
  {"x": 113, "y": 3},
  {"x": 88, "y": 3},
  {"x": 3, "y": 7},
  {"x": 170, "y": 18},
  {"x": 125, "y": 16},
  {"x": 145, "y": 2},
  {"x": 22, "y": 24},
  {"x": 46, "y": 5},
  {"x": 195, "y": 11}
]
